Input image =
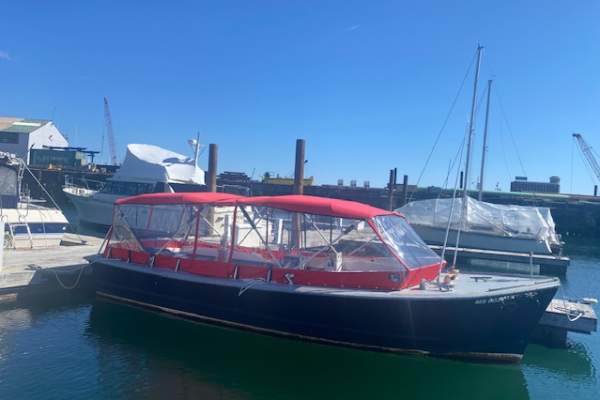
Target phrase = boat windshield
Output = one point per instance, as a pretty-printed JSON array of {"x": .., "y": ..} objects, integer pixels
[{"x": 404, "y": 241}]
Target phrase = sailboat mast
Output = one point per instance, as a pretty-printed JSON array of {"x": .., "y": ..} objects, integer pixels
[
  {"x": 485, "y": 131},
  {"x": 471, "y": 127}
]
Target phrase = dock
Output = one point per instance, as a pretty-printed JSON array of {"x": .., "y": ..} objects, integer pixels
[
  {"x": 45, "y": 270},
  {"x": 509, "y": 262},
  {"x": 562, "y": 317}
]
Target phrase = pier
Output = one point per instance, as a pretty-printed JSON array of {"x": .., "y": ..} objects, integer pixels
[
  {"x": 35, "y": 272},
  {"x": 506, "y": 261},
  {"x": 564, "y": 316}
]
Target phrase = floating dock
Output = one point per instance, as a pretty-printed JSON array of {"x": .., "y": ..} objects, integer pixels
[
  {"x": 45, "y": 270},
  {"x": 563, "y": 316},
  {"x": 506, "y": 261}
]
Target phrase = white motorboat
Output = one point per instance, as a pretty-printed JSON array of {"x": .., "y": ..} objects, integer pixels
[
  {"x": 146, "y": 169},
  {"x": 27, "y": 223}
]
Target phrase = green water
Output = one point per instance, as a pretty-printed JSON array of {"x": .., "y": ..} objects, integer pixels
[{"x": 93, "y": 349}]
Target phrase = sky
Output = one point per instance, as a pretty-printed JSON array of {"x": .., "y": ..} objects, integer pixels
[{"x": 367, "y": 84}]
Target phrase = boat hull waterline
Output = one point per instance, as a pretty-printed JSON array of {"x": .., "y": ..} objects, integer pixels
[{"x": 494, "y": 326}]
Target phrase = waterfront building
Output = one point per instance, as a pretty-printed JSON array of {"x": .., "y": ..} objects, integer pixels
[
  {"x": 521, "y": 184},
  {"x": 19, "y": 136}
]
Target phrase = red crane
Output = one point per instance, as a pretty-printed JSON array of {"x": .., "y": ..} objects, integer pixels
[
  {"x": 588, "y": 153},
  {"x": 110, "y": 137}
]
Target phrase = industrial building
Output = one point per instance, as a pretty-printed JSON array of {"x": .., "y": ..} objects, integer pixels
[
  {"x": 19, "y": 136},
  {"x": 521, "y": 184}
]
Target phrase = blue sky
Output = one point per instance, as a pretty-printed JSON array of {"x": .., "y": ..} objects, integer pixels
[{"x": 367, "y": 84}]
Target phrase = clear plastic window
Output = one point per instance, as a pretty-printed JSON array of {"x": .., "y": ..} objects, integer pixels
[
  {"x": 307, "y": 241},
  {"x": 404, "y": 241}
]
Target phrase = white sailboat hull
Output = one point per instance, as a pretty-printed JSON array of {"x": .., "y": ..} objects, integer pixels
[{"x": 479, "y": 240}]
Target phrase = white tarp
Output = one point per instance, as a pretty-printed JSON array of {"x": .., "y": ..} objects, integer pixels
[
  {"x": 502, "y": 220},
  {"x": 145, "y": 162}
]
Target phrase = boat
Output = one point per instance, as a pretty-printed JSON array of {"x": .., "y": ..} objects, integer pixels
[
  {"x": 481, "y": 225},
  {"x": 311, "y": 268},
  {"x": 27, "y": 223},
  {"x": 146, "y": 169},
  {"x": 497, "y": 227}
]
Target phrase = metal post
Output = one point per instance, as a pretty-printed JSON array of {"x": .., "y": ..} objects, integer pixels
[
  {"x": 299, "y": 167},
  {"x": 1, "y": 244},
  {"x": 212, "y": 167},
  {"x": 595, "y": 190},
  {"x": 485, "y": 132},
  {"x": 404, "y": 189}
]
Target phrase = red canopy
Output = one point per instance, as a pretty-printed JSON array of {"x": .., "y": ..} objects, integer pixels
[
  {"x": 294, "y": 203},
  {"x": 179, "y": 198},
  {"x": 317, "y": 205}
]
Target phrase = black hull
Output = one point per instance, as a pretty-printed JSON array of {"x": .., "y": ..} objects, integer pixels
[{"x": 494, "y": 327}]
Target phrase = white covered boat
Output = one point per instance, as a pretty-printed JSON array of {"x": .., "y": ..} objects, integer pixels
[
  {"x": 146, "y": 169},
  {"x": 485, "y": 226}
]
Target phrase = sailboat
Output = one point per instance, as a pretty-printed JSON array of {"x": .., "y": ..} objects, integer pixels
[{"x": 482, "y": 225}]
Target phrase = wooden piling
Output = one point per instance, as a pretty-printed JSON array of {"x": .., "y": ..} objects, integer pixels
[
  {"x": 212, "y": 167},
  {"x": 405, "y": 190},
  {"x": 391, "y": 188},
  {"x": 299, "y": 167}
]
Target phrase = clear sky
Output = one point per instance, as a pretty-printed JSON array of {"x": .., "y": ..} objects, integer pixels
[{"x": 367, "y": 84}]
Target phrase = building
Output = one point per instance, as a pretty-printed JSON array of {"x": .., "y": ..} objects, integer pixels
[
  {"x": 18, "y": 136},
  {"x": 521, "y": 184}
]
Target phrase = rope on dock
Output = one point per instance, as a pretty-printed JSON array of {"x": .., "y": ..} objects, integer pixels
[{"x": 75, "y": 284}]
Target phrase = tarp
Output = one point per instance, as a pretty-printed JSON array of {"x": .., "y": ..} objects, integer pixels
[
  {"x": 503, "y": 220},
  {"x": 148, "y": 163}
]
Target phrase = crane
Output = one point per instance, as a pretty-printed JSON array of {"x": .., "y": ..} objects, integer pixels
[
  {"x": 587, "y": 152},
  {"x": 110, "y": 137}
]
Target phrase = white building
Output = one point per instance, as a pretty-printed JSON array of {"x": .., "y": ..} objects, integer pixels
[{"x": 18, "y": 135}]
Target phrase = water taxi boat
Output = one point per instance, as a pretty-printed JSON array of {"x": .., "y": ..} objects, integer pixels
[{"x": 311, "y": 268}]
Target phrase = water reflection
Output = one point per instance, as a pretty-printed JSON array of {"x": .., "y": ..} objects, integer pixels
[{"x": 155, "y": 356}]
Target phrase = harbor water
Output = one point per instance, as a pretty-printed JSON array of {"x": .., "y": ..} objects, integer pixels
[{"x": 84, "y": 347}]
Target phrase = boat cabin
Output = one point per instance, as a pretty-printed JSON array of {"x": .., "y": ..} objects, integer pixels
[{"x": 292, "y": 240}]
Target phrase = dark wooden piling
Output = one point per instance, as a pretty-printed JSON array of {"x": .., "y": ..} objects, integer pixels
[
  {"x": 299, "y": 167},
  {"x": 212, "y": 168},
  {"x": 298, "y": 189},
  {"x": 405, "y": 190},
  {"x": 391, "y": 188}
]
